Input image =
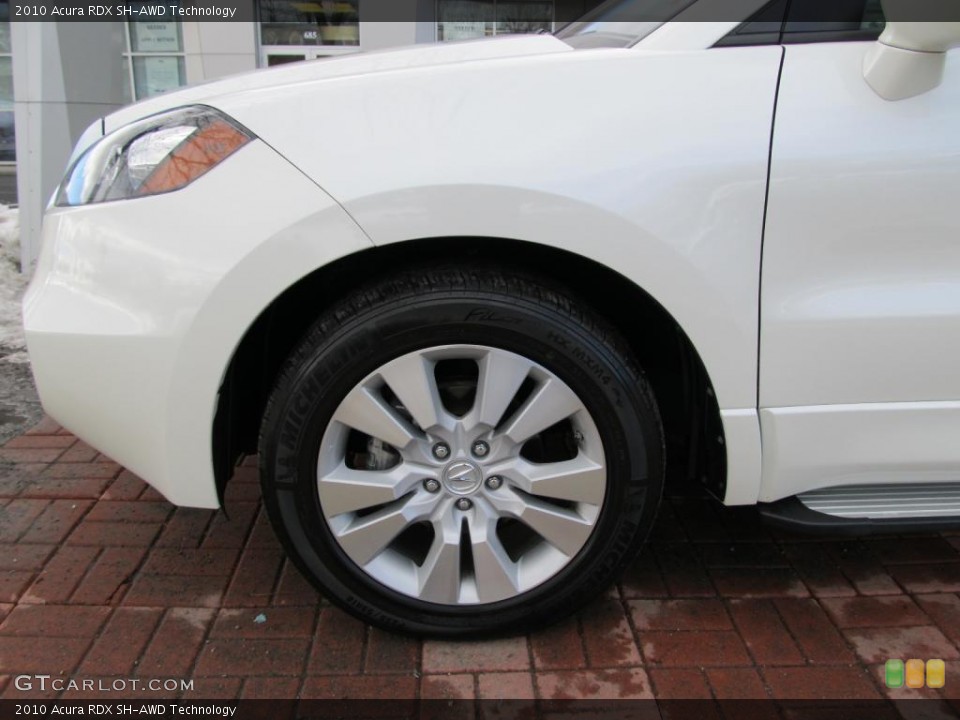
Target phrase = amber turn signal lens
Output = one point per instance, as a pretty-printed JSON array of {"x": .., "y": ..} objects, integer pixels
[{"x": 201, "y": 151}]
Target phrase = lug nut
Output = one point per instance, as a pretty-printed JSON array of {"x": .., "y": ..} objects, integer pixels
[
  {"x": 431, "y": 485},
  {"x": 464, "y": 504},
  {"x": 480, "y": 448},
  {"x": 441, "y": 451},
  {"x": 494, "y": 482}
]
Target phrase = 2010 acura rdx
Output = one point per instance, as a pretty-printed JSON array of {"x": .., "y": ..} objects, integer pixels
[{"x": 471, "y": 302}]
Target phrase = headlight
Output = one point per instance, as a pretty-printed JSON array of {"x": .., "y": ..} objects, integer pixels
[{"x": 155, "y": 155}]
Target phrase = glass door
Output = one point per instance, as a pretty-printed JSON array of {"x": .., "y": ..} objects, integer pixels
[
  {"x": 273, "y": 55},
  {"x": 291, "y": 30},
  {"x": 469, "y": 19}
]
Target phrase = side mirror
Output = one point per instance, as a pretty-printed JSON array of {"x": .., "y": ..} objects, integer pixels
[{"x": 909, "y": 58}]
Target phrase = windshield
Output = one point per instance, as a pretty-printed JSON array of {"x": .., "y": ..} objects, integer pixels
[{"x": 620, "y": 23}]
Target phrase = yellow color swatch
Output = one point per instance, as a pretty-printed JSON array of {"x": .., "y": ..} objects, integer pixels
[
  {"x": 936, "y": 673},
  {"x": 914, "y": 673}
]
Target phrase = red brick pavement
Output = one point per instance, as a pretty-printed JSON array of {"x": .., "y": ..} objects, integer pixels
[{"x": 100, "y": 578}]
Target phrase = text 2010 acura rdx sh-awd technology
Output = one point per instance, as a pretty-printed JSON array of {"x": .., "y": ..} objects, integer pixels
[{"x": 472, "y": 303}]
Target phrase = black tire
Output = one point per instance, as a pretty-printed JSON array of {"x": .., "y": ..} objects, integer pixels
[{"x": 417, "y": 309}]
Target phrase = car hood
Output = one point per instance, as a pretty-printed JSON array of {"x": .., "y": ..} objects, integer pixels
[{"x": 417, "y": 56}]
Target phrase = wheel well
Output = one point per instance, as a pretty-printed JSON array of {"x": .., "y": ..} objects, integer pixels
[{"x": 691, "y": 417}]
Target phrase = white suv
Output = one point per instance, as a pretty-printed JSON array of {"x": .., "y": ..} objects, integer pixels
[{"x": 473, "y": 304}]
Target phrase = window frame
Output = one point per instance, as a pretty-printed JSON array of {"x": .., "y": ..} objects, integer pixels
[{"x": 129, "y": 55}]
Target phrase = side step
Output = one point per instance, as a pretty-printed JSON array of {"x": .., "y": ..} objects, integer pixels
[{"x": 867, "y": 509}]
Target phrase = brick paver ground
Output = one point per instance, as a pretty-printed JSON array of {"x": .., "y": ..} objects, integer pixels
[{"x": 102, "y": 578}]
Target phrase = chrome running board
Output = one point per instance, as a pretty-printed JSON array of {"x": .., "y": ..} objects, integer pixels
[{"x": 886, "y": 502}]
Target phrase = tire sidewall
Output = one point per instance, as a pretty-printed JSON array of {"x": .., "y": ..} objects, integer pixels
[{"x": 301, "y": 411}]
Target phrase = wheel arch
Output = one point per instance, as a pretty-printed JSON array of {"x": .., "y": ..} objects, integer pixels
[{"x": 688, "y": 405}]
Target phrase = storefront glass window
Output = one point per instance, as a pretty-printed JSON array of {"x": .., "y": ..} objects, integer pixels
[
  {"x": 466, "y": 19},
  {"x": 320, "y": 22},
  {"x": 155, "y": 56},
  {"x": 153, "y": 75},
  {"x": 8, "y": 145}
]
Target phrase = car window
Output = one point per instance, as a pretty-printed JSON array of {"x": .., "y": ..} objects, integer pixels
[
  {"x": 806, "y": 21},
  {"x": 620, "y": 23},
  {"x": 763, "y": 28},
  {"x": 833, "y": 20}
]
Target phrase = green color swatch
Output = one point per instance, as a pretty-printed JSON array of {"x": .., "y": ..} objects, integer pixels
[{"x": 893, "y": 673}]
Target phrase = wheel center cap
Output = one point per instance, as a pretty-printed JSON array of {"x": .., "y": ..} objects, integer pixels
[{"x": 462, "y": 477}]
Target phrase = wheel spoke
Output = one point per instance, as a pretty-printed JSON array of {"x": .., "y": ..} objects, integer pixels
[
  {"x": 412, "y": 380},
  {"x": 348, "y": 490},
  {"x": 496, "y": 574},
  {"x": 366, "y": 537},
  {"x": 550, "y": 403},
  {"x": 439, "y": 576},
  {"x": 562, "y": 528},
  {"x": 576, "y": 480},
  {"x": 369, "y": 413},
  {"x": 500, "y": 377}
]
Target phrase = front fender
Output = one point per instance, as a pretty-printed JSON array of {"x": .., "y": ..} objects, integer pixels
[{"x": 137, "y": 307}]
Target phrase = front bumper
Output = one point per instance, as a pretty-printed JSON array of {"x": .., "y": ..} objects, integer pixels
[{"x": 136, "y": 307}]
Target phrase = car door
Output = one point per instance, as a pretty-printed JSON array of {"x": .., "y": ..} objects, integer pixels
[{"x": 860, "y": 298}]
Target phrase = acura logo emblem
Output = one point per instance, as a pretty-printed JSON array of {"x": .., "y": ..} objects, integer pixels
[{"x": 462, "y": 477}]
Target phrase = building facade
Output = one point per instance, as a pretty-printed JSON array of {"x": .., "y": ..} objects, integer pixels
[{"x": 56, "y": 78}]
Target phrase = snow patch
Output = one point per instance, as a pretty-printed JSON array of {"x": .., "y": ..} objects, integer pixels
[{"x": 13, "y": 347}]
